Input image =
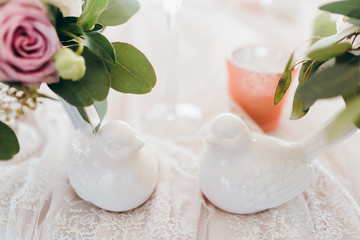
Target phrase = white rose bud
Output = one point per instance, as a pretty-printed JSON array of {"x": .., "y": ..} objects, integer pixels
[
  {"x": 69, "y": 65},
  {"x": 67, "y": 7},
  {"x": 343, "y": 24}
]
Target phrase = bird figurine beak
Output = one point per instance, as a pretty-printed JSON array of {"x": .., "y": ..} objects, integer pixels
[
  {"x": 212, "y": 138},
  {"x": 138, "y": 143}
]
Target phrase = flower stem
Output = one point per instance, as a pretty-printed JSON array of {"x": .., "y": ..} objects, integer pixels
[{"x": 76, "y": 38}]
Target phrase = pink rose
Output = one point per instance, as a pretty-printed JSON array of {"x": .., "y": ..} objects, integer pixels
[{"x": 28, "y": 42}]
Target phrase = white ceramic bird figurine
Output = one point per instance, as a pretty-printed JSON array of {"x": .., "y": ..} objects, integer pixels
[
  {"x": 244, "y": 172},
  {"x": 114, "y": 170}
]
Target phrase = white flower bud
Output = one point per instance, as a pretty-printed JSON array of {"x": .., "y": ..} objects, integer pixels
[
  {"x": 67, "y": 7},
  {"x": 343, "y": 24},
  {"x": 69, "y": 65}
]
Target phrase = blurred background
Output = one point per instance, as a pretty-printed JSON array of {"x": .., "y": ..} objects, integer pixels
[{"x": 207, "y": 30}]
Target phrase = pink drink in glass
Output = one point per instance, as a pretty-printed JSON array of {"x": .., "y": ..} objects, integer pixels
[{"x": 254, "y": 72}]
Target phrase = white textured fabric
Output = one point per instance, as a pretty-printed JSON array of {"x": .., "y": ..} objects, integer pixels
[{"x": 37, "y": 201}]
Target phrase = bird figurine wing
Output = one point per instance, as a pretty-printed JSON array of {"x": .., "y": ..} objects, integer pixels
[
  {"x": 113, "y": 170},
  {"x": 245, "y": 172},
  {"x": 278, "y": 173}
]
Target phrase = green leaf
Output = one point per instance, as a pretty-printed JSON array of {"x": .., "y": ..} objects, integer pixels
[
  {"x": 55, "y": 14},
  {"x": 118, "y": 12},
  {"x": 324, "y": 54},
  {"x": 94, "y": 86},
  {"x": 329, "y": 41},
  {"x": 97, "y": 28},
  {"x": 346, "y": 118},
  {"x": 101, "y": 108},
  {"x": 89, "y": 16},
  {"x": 132, "y": 72},
  {"x": 84, "y": 114},
  {"x": 297, "y": 111},
  {"x": 353, "y": 60},
  {"x": 323, "y": 26},
  {"x": 9, "y": 145},
  {"x": 349, "y": 98},
  {"x": 69, "y": 28},
  {"x": 307, "y": 69},
  {"x": 348, "y": 59},
  {"x": 284, "y": 81},
  {"x": 350, "y": 8},
  {"x": 68, "y": 25},
  {"x": 99, "y": 45},
  {"x": 335, "y": 81},
  {"x": 328, "y": 64},
  {"x": 353, "y": 21}
]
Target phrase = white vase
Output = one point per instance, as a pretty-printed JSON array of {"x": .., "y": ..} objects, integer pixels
[
  {"x": 244, "y": 172},
  {"x": 113, "y": 169}
]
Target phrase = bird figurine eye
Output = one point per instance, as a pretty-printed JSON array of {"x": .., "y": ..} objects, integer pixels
[
  {"x": 230, "y": 135},
  {"x": 225, "y": 135},
  {"x": 112, "y": 147}
]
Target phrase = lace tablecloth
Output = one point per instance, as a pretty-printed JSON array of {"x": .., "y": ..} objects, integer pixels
[{"x": 37, "y": 201}]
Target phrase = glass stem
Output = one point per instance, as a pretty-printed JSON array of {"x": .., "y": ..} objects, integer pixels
[
  {"x": 171, "y": 8},
  {"x": 172, "y": 63}
]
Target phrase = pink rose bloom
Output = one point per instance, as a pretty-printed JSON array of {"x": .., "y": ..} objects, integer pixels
[{"x": 28, "y": 42}]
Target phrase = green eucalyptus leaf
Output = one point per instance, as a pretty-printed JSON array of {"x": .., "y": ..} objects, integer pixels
[
  {"x": 284, "y": 81},
  {"x": 74, "y": 28},
  {"x": 41, "y": 95},
  {"x": 94, "y": 86},
  {"x": 304, "y": 69},
  {"x": 90, "y": 15},
  {"x": 69, "y": 43},
  {"x": 353, "y": 21},
  {"x": 9, "y": 145},
  {"x": 323, "y": 26},
  {"x": 282, "y": 87},
  {"x": 289, "y": 62},
  {"x": 55, "y": 14},
  {"x": 99, "y": 45},
  {"x": 132, "y": 72},
  {"x": 84, "y": 114},
  {"x": 324, "y": 54},
  {"x": 335, "y": 81},
  {"x": 98, "y": 28},
  {"x": 351, "y": 97},
  {"x": 69, "y": 20},
  {"x": 329, "y": 63},
  {"x": 118, "y": 12},
  {"x": 350, "y": 8},
  {"x": 346, "y": 118},
  {"x": 348, "y": 59},
  {"x": 329, "y": 41},
  {"x": 68, "y": 25},
  {"x": 307, "y": 69},
  {"x": 83, "y": 5},
  {"x": 297, "y": 111},
  {"x": 101, "y": 108}
]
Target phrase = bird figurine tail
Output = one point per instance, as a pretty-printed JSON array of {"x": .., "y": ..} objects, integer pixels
[{"x": 319, "y": 140}]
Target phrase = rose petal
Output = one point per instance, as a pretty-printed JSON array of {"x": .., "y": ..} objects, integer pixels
[{"x": 27, "y": 42}]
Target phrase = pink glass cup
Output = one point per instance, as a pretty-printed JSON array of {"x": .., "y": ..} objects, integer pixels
[{"x": 254, "y": 72}]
